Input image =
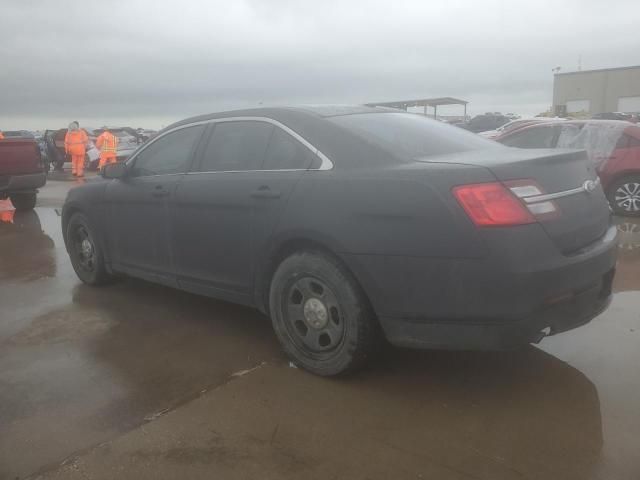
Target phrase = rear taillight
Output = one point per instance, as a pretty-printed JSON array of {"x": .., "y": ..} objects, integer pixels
[{"x": 492, "y": 205}]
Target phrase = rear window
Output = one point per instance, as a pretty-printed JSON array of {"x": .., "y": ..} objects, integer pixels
[{"x": 411, "y": 135}]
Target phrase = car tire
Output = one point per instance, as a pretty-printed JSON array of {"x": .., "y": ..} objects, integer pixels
[
  {"x": 85, "y": 252},
  {"x": 321, "y": 316},
  {"x": 624, "y": 196},
  {"x": 23, "y": 201}
]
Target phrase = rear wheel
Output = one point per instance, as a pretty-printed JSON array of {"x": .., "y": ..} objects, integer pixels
[
  {"x": 624, "y": 196},
  {"x": 23, "y": 201},
  {"x": 85, "y": 253},
  {"x": 320, "y": 316}
]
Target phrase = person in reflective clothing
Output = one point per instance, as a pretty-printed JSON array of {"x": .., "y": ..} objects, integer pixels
[
  {"x": 107, "y": 142},
  {"x": 75, "y": 144}
]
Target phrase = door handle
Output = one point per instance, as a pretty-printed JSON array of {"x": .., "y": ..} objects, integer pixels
[
  {"x": 160, "y": 192},
  {"x": 265, "y": 192}
]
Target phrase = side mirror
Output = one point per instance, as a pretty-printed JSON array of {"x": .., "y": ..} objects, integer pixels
[{"x": 114, "y": 170}]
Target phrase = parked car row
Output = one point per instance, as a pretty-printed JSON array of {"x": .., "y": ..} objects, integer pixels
[
  {"x": 613, "y": 147},
  {"x": 128, "y": 140}
]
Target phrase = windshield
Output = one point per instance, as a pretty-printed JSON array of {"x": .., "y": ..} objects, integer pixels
[{"x": 413, "y": 136}]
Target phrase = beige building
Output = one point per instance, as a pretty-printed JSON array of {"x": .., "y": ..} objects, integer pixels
[{"x": 597, "y": 91}]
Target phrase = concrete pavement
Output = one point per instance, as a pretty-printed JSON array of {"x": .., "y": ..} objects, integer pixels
[{"x": 137, "y": 381}]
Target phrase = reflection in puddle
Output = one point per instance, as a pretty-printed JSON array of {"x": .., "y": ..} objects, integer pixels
[
  {"x": 628, "y": 267},
  {"x": 28, "y": 251}
]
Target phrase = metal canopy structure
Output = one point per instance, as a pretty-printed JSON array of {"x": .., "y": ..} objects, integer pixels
[{"x": 423, "y": 102}]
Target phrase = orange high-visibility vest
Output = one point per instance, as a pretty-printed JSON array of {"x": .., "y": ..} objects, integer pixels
[
  {"x": 107, "y": 142},
  {"x": 1, "y": 136}
]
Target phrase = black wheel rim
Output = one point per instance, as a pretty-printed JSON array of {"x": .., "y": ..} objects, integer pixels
[
  {"x": 627, "y": 197},
  {"x": 312, "y": 315},
  {"x": 84, "y": 249}
]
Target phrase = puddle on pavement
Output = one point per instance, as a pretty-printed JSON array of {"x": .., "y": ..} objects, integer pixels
[
  {"x": 85, "y": 364},
  {"x": 628, "y": 267}
]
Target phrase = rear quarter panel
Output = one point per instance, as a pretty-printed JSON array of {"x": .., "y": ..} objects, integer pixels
[{"x": 404, "y": 210}]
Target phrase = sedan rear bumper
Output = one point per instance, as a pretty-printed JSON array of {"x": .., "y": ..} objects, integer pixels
[
  {"x": 487, "y": 303},
  {"x": 499, "y": 335}
]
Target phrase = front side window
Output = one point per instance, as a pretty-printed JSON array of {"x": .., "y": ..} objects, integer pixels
[
  {"x": 169, "y": 154},
  {"x": 236, "y": 146}
]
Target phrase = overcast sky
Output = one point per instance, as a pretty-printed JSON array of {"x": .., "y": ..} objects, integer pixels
[{"x": 149, "y": 63}]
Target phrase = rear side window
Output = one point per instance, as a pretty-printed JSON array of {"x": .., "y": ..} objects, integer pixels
[
  {"x": 169, "y": 154},
  {"x": 411, "y": 135},
  {"x": 286, "y": 153},
  {"x": 236, "y": 146},
  {"x": 534, "y": 137}
]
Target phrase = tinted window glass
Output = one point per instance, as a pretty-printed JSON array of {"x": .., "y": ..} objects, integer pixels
[
  {"x": 236, "y": 146},
  {"x": 168, "y": 154},
  {"x": 412, "y": 135},
  {"x": 285, "y": 152},
  {"x": 535, "y": 137}
]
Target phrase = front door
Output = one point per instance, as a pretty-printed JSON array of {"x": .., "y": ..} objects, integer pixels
[
  {"x": 139, "y": 206},
  {"x": 227, "y": 207}
]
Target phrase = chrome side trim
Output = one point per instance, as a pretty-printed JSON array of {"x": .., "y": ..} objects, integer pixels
[
  {"x": 155, "y": 139},
  {"x": 326, "y": 163},
  {"x": 254, "y": 171},
  {"x": 565, "y": 193}
]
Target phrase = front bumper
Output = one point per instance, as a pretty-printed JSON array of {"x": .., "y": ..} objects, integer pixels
[
  {"x": 22, "y": 183},
  {"x": 488, "y": 303}
]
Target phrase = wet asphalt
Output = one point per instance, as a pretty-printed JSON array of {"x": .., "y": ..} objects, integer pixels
[{"x": 136, "y": 380}]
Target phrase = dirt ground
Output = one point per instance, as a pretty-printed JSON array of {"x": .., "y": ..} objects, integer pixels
[{"x": 139, "y": 381}]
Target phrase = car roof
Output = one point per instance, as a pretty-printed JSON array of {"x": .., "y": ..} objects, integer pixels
[{"x": 288, "y": 112}]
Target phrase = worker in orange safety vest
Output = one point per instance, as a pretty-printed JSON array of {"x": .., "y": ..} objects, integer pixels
[
  {"x": 107, "y": 142},
  {"x": 75, "y": 144},
  {"x": 1, "y": 135}
]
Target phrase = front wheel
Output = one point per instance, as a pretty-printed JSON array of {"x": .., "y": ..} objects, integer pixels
[
  {"x": 321, "y": 317},
  {"x": 23, "y": 201},
  {"x": 624, "y": 196},
  {"x": 85, "y": 253}
]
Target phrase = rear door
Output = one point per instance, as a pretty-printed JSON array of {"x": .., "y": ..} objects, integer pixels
[
  {"x": 227, "y": 207},
  {"x": 139, "y": 206}
]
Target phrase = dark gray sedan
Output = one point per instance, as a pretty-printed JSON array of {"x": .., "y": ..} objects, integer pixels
[{"x": 347, "y": 225}]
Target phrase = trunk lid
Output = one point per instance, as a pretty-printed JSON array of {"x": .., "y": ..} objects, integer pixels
[{"x": 584, "y": 213}]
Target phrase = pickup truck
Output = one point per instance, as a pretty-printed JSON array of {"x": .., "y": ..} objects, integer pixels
[{"x": 21, "y": 171}]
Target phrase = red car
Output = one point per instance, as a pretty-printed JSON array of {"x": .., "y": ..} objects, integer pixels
[
  {"x": 21, "y": 171},
  {"x": 614, "y": 146}
]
